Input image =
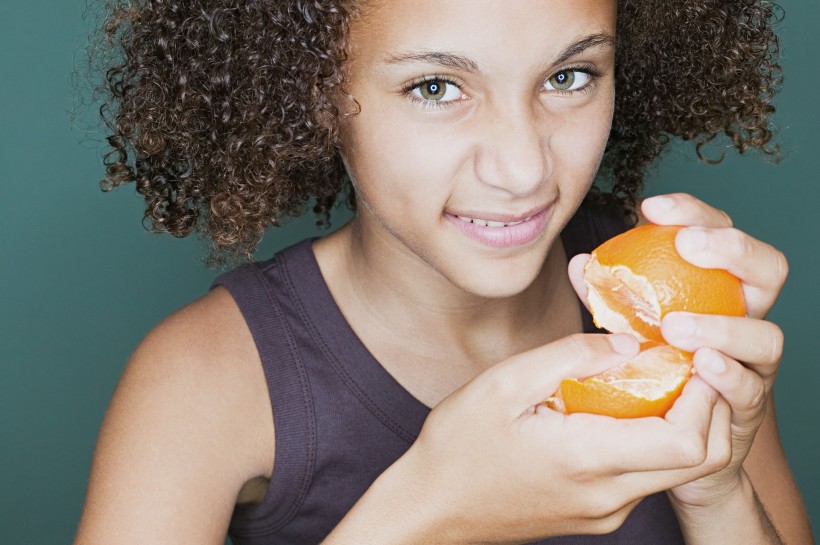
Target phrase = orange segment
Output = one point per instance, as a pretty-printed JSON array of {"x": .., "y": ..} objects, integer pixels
[{"x": 647, "y": 385}]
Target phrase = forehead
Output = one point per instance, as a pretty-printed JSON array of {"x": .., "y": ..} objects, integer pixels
[{"x": 487, "y": 30}]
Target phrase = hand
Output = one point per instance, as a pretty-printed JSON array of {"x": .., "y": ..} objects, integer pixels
[
  {"x": 493, "y": 465},
  {"x": 738, "y": 357}
]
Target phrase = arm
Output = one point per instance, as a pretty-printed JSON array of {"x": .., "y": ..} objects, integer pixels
[
  {"x": 188, "y": 425},
  {"x": 764, "y": 497},
  {"x": 739, "y": 357},
  {"x": 772, "y": 479}
]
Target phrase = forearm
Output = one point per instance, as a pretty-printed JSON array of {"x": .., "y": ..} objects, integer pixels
[{"x": 739, "y": 518}]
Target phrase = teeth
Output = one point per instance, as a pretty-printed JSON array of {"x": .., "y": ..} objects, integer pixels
[{"x": 488, "y": 223}]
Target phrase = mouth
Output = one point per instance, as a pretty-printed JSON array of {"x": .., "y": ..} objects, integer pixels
[
  {"x": 492, "y": 223},
  {"x": 500, "y": 230}
]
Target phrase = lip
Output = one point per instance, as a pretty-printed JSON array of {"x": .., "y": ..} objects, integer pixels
[
  {"x": 500, "y": 216},
  {"x": 502, "y": 237}
]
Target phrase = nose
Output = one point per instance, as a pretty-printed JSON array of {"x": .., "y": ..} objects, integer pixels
[{"x": 513, "y": 152}]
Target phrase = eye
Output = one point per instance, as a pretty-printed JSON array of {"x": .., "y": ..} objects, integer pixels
[
  {"x": 568, "y": 80},
  {"x": 437, "y": 90}
]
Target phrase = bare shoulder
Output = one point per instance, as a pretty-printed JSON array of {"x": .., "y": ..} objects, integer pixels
[{"x": 188, "y": 427}]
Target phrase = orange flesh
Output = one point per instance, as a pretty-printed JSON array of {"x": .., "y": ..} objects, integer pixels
[
  {"x": 617, "y": 287},
  {"x": 647, "y": 385}
]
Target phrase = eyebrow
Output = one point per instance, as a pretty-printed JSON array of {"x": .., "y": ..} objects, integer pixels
[
  {"x": 450, "y": 60},
  {"x": 583, "y": 44},
  {"x": 460, "y": 62}
]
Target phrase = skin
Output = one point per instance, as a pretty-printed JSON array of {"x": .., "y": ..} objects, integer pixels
[{"x": 495, "y": 328}]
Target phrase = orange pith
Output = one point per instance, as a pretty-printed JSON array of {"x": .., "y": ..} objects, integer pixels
[{"x": 633, "y": 281}]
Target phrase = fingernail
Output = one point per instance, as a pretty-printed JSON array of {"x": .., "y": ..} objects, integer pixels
[
  {"x": 680, "y": 326},
  {"x": 711, "y": 361},
  {"x": 660, "y": 204},
  {"x": 624, "y": 344},
  {"x": 693, "y": 238}
]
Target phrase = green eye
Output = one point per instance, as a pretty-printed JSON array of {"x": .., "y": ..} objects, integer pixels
[
  {"x": 563, "y": 80},
  {"x": 434, "y": 89}
]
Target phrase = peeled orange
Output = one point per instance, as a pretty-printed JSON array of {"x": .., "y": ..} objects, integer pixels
[
  {"x": 633, "y": 281},
  {"x": 636, "y": 278}
]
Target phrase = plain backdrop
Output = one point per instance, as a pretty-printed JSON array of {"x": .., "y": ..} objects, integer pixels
[{"x": 81, "y": 282}]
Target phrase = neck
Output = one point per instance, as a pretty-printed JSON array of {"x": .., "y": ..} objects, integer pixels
[{"x": 389, "y": 295}]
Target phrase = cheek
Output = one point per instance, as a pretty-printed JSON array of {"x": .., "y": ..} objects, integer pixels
[
  {"x": 401, "y": 163},
  {"x": 581, "y": 140}
]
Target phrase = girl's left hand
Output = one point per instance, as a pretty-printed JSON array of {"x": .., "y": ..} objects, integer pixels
[{"x": 737, "y": 356}]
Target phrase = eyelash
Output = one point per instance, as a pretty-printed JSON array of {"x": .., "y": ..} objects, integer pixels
[
  {"x": 586, "y": 69},
  {"x": 407, "y": 90}
]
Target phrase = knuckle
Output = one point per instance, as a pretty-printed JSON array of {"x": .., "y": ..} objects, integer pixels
[
  {"x": 609, "y": 519},
  {"x": 720, "y": 455},
  {"x": 771, "y": 349},
  {"x": 606, "y": 525},
  {"x": 501, "y": 383},
  {"x": 781, "y": 267},
  {"x": 778, "y": 340},
  {"x": 583, "y": 465},
  {"x": 601, "y": 508},
  {"x": 723, "y": 454},
  {"x": 739, "y": 241},
  {"x": 757, "y": 400},
  {"x": 725, "y": 219},
  {"x": 580, "y": 345},
  {"x": 691, "y": 449}
]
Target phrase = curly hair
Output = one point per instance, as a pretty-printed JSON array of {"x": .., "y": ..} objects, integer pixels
[{"x": 221, "y": 111}]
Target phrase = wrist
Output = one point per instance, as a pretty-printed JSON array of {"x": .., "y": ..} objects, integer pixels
[
  {"x": 399, "y": 508},
  {"x": 731, "y": 515}
]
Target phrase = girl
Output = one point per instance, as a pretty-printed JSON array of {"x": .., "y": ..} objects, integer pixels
[{"x": 384, "y": 384}]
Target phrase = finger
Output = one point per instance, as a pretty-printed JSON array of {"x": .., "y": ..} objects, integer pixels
[
  {"x": 743, "y": 389},
  {"x": 529, "y": 378},
  {"x": 576, "y": 276},
  {"x": 683, "y": 209},
  {"x": 646, "y": 444},
  {"x": 718, "y": 455},
  {"x": 762, "y": 268},
  {"x": 757, "y": 343}
]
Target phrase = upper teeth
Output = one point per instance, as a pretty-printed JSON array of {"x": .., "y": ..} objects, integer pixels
[{"x": 487, "y": 223}]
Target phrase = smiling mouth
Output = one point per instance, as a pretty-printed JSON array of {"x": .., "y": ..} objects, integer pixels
[{"x": 489, "y": 223}]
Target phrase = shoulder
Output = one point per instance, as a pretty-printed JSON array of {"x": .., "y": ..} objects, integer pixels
[
  {"x": 202, "y": 358},
  {"x": 188, "y": 426}
]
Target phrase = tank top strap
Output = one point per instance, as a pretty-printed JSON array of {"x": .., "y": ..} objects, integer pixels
[{"x": 253, "y": 287}]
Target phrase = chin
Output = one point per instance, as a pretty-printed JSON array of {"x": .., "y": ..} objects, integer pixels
[{"x": 498, "y": 282}]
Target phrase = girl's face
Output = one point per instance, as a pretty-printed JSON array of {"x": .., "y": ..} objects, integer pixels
[{"x": 481, "y": 127}]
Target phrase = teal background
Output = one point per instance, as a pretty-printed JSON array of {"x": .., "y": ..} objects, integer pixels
[{"x": 81, "y": 281}]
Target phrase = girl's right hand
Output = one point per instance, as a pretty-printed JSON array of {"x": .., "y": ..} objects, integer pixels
[{"x": 493, "y": 465}]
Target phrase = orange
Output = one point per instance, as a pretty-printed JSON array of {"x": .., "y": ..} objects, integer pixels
[
  {"x": 633, "y": 281},
  {"x": 638, "y": 277},
  {"x": 646, "y": 385}
]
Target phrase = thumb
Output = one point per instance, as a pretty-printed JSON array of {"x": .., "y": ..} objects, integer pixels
[
  {"x": 575, "y": 269},
  {"x": 529, "y": 378}
]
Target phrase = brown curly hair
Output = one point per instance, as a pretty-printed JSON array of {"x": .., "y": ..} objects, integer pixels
[{"x": 220, "y": 110}]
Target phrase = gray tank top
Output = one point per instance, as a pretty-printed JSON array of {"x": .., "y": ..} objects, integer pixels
[{"x": 340, "y": 417}]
